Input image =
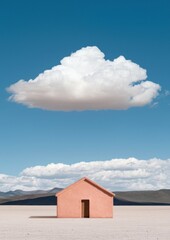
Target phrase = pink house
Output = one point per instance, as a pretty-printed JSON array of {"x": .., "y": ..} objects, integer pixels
[{"x": 84, "y": 199}]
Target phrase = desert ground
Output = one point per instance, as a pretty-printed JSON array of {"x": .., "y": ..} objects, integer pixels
[{"x": 129, "y": 222}]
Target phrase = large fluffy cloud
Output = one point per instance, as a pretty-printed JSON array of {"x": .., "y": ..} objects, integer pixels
[
  {"x": 86, "y": 81},
  {"x": 115, "y": 174}
]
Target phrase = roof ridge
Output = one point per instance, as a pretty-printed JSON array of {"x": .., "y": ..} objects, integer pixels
[{"x": 88, "y": 180}]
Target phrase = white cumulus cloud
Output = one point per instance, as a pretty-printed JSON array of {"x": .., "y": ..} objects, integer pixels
[
  {"x": 115, "y": 175},
  {"x": 86, "y": 81}
]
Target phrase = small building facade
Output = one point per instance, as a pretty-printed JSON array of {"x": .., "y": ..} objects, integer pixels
[{"x": 85, "y": 199}]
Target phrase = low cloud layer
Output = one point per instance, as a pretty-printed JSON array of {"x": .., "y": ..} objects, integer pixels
[
  {"x": 86, "y": 81},
  {"x": 115, "y": 174}
]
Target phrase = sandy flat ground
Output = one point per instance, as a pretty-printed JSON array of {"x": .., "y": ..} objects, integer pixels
[{"x": 39, "y": 222}]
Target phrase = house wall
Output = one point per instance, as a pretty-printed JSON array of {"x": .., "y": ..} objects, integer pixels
[{"x": 69, "y": 202}]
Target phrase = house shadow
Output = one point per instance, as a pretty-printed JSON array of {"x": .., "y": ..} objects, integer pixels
[{"x": 36, "y": 217}]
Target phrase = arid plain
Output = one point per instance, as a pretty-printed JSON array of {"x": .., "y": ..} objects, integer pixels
[{"x": 129, "y": 222}]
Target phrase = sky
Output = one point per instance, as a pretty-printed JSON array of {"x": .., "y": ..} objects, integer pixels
[{"x": 84, "y": 91}]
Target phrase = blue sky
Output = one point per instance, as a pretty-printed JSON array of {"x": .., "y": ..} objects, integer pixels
[{"x": 36, "y": 35}]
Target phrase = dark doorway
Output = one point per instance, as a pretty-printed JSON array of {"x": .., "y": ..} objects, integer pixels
[{"x": 85, "y": 209}]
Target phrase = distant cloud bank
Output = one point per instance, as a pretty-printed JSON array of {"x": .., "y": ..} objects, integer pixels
[
  {"x": 86, "y": 81},
  {"x": 115, "y": 174}
]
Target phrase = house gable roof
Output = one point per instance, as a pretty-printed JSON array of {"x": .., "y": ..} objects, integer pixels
[{"x": 90, "y": 182}]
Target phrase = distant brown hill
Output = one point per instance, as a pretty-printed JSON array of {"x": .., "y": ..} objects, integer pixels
[
  {"x": 159, "y": 197},
  {"x": 19, "y": 197}
]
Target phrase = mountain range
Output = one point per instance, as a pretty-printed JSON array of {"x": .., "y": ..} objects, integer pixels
[{"x": 47, "y": 197}]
